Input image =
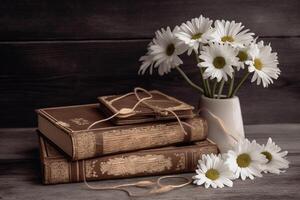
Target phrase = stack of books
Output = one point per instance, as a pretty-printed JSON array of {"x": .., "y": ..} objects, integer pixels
[{"x": 143, "y": 144}]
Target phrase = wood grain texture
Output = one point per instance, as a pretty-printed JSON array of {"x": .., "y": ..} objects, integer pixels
[
  {"x": 45, "y": 74},
  {"x": 20, "y": 173},
  {"x": 72, "y": 20}
]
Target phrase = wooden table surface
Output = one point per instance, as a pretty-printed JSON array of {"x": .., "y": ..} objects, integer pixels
[{"x": 20, "y": 172}]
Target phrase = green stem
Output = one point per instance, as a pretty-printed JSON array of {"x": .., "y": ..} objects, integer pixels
[
  {"x": 221, "y": 88},
  {"x": 208, "y": 86},
  {"x": 231, "y": 85},
  {"x": 189, "y": 80},
  {"x": 214, "y": 88},
  {"x": 201, "y": 77},
  {"x": 204, "y": 82},
  {"x": 240, "y": 84}
]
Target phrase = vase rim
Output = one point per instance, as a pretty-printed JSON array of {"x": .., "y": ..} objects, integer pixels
[{"x": 222, "y": 99}]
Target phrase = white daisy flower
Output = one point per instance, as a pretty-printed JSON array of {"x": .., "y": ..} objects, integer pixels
[
  {"x": 163, "y": 52},
  {"x": 243, "y": 56},
  {"x": 276, "y": 158},
  {"x": 194, "y": 32},
  {"x": 246, "y": 159},
  {"x": 212, "y": 171},
  {"x": 218, "y": 59},
  {"x": 147, "y": 63},
  {"x": 263, "y": 63},
  {"x": 231, "y": 32}
]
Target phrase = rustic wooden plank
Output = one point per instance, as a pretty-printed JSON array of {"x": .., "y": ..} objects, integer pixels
[
  {"x": 69, "y": 19},
  {"x": 20, "y": 174},
  {"x": 42, "y": 74}
]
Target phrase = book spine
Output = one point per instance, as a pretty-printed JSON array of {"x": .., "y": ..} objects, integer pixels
[
  {"x": 91, "y": 144},
  {"x": 159, "y": 162}
]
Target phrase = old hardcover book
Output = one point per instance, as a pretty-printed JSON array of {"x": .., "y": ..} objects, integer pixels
[
  {"x": 143, "y": 113},
  {"x": 168, "y": 160},
  {"x": 67, "y": 127}
]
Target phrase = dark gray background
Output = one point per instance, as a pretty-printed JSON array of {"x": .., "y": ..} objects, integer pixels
[{"x": 55, "y": 53}]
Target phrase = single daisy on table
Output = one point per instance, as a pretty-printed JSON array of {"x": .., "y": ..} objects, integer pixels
[
  {"x": 218, "y": 59},
  {"x": 194, "y": 32},
  {"x": 246, "y": 159},
  {"x": 212, "y": 171},
  {"x": 276, "y": 158},
  {"x": 232, "y": 33},
  {"x": 264, "y": 63},
  {"x": 163, "y": 52}
]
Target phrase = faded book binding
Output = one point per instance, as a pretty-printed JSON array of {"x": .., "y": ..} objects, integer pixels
[
  {"x": 67, "y": 127},
  {"x": 143, "y": 113},
  {"x": 168, "y": 160}
]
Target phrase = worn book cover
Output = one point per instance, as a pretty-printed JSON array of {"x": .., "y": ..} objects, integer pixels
[
  {"x": 143, "y": 113},
  {"x": 67, "y": 127},
  {"x": 168, "y": 160}
]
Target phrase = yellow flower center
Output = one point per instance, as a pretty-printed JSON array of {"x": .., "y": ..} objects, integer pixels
[
  {"x": 258, "y": 64},
  {"x": 242, "y": 56},
  {"x": 196, "y": 36},
  {"x": 219, "y": 62},
  {"x": 170, "y": 49},
  {"x": 268, "y": 155},
  {"x": 212, "y": 174},
  {"x": 243, "y": 160},
  {"x": 227, "y": 38}
]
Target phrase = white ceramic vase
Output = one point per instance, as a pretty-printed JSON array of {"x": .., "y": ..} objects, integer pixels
[{"x": 225, "y": 122}]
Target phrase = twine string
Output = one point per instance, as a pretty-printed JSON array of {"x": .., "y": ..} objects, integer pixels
[
  {"x": 158, "y": 187},
  {"x": 127, "y": 112},
  {"x": 188, "y": 181},
  {"x": 221, "y": 123},
  {"x": 155, "y": 187}
]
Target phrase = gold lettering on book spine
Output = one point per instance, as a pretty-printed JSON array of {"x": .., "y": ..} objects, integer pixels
[
  {"x": 90, "y": 143},
  {"x": 136, "y": 164},
  {"x": 148, "y": 136}
]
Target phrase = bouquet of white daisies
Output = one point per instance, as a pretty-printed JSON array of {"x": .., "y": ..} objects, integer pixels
[{"x": 221, "y": 51}]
